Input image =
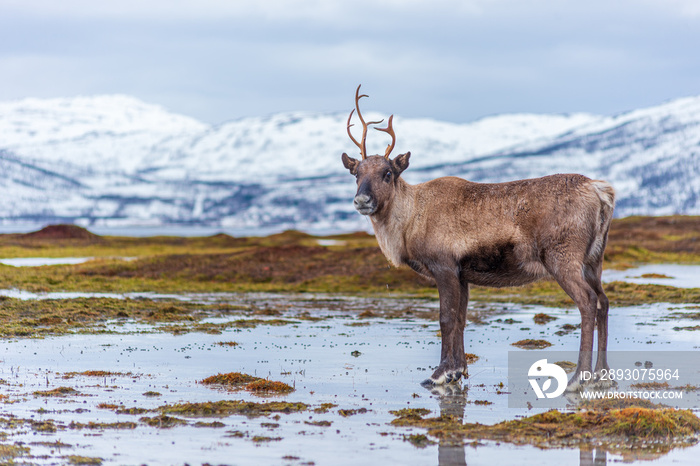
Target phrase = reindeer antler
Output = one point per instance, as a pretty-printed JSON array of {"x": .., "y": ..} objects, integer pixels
[
  {"x": 362, "y": 145},
  {"x": 389, "y": 130}
]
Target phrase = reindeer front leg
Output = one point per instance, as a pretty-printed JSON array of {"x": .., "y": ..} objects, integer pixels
[{"x": 453, "y": 315}]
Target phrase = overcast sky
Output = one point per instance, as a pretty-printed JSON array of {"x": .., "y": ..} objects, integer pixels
[{"x": 454, "y": 60}]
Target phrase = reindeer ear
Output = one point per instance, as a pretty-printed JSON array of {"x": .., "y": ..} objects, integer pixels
[
  {"x": 350, "y": 163},
  {"x": 401, "y": 162}
]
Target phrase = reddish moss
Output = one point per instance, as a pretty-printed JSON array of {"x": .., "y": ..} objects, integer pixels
[
  {"x": 621, "y": 429},
  {"x": 543, "y": 318},
  {"x": 532, "y": 344},
  {"x": 230, "y": 407},
  {"x": 231, "y": 378},
  {"x": 59, "y": 391},
  {"x": 108, "y": 406},
  {"x": 471, "y": 358},
  {"x": 652, "y": 423},
  {"x": 268, "y": 386}
]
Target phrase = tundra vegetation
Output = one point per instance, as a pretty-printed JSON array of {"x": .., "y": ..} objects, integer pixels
[
  {"x": 287, "y": 262},
  {"x": 297, "y": 262},
  {"x": 294, "y": 262},
  {"x": 629, "y": 427}
]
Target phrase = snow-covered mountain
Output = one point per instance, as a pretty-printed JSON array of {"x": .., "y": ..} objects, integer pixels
[{"x": 114, "y": 160}]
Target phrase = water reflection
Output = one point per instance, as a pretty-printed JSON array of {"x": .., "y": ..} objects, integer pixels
[
  {"x": 596, "y": 457},
  {"x": 452, "y": 400}
]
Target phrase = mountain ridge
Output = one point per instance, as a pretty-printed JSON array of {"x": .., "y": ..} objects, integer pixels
[{"x": 116, "y": 160}]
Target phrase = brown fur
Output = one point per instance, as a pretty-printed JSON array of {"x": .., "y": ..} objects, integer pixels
[{"x": 499, "y": 234}]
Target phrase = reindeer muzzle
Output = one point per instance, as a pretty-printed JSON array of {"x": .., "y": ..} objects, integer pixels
[{"x": 364, "y": 204}]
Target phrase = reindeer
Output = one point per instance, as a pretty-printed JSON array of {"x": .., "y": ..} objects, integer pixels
[{"x": 458, "y": 233}]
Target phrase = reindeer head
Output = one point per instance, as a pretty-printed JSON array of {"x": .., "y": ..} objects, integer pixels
[{"x": 377, "y": 175}]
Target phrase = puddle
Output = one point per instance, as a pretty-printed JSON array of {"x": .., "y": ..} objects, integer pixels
[
  {"x": 330, "y": 242},
  {"x": 369, "y": 366},
  {"x": 41, "y": 261},
  {"x": 22, "y": 294},
  {"x": 680, "y": 276}
]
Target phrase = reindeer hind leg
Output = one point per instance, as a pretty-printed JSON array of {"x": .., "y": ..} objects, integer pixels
[
  {"x": 570, "y": 277},
  {"x": 593, "y": 277}
]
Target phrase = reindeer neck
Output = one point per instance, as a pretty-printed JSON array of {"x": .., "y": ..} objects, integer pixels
[{"x": 392, "y": 222}]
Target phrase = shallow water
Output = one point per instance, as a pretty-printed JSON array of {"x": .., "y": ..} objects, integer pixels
[
  {"x": 23, "y": 294},
  {"x": 41, "y": 261},
  {"x": 680, "y": 276},
  {"x": 373, "y": 363},
  {"x": 44, "y": 261}
]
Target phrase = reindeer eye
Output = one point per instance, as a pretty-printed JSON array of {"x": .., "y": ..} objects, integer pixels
[{"x": 387, "y": 176}]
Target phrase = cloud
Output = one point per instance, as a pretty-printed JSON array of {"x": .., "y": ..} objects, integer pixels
[
  {"x": 448, "y": 59},
  {"x": 286, "y": 10}
]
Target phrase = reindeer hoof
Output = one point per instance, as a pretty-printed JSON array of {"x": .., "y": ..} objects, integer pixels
[
  {"x": 573, "y": 386},
  {"x": 446, "y": 377},
  {"x": 429, "y": 383},
  {"x": 595, "y": 383},
  {"x": 600, "y": 383}
]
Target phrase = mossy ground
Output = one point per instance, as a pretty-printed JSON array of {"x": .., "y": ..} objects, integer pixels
[
  {"x": 621, "y": 429},
  {"x": 532, "y": 344},
  {"x": 296, "y": 262},
  {"x": 230, "y": 407},
  {"x": 255, "y": 385},
  {"x": 39, "y": 318},
  {"x": 234, "y": 379}
]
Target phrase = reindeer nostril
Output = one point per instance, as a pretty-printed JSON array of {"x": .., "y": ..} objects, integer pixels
[
  {"x": 364, "y": 204},
  {"x": 361, "y": 199}
]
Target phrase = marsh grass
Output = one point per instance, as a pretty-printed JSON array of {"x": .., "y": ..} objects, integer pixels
[
  {"x": 38, "y": 318},
  {"x": 295, "y": 262},
  {"x": 287, "y": 262},
  {"x": 59, "y": 391},
  {"x": 625, "y": 428},
  {"x": 532, "y": 344},
  {"x": 233, "y": 407},
  {"x": 234, "y": 379}
]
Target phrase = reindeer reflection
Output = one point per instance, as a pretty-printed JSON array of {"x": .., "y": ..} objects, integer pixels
[{"x": 452, "y": 400}]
